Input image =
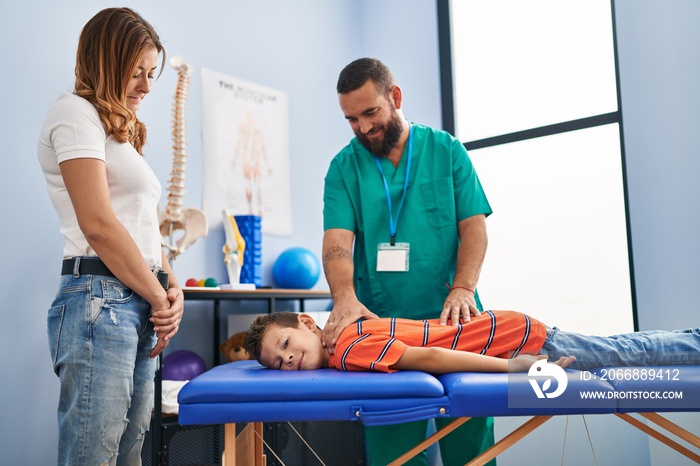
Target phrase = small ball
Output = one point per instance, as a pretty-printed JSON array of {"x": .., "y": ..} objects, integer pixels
[
  {"x": 201, "y": 282},
  {"x": 192, "y": 282},
  {"x": 211, "y": 282},
  {"x": 296, "y": 268},
  {"x": 182, "y": 365}
]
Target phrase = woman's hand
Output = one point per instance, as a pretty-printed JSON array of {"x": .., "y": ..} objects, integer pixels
[{"x": 166, "y": 322}]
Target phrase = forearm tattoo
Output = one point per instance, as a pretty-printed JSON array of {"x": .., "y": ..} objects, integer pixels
[{"x": 335, "y": 253}]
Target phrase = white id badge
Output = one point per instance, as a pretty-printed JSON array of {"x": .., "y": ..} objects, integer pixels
[{"x": 393, "y": 258}]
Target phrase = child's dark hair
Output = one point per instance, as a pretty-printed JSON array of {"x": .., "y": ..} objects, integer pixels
[{"x": 257, "y": 330}]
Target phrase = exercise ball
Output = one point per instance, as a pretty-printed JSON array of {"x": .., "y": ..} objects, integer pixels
[
  {"x": 296, "y": 268},
  {"x": 182, "y": 365}
]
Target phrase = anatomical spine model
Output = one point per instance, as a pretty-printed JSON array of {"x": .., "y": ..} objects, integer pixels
[{"x": 192, "y": 222}]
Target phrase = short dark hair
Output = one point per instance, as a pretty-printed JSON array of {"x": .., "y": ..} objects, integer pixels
[
  {"x": 357, "y": 73},
  {"x": 254, "y": 336}
]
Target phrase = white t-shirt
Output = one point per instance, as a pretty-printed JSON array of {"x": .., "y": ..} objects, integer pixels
[{"x": 72, "y": 130}]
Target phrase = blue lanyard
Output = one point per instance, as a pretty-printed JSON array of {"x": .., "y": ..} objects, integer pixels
[{"x": 393, "y": 220}]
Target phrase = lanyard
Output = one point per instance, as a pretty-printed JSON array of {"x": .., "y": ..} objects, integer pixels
[{"x": 393, "y": 220}]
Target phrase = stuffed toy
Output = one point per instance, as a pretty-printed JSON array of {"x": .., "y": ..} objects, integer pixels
[{"x": 233, "y": 348}]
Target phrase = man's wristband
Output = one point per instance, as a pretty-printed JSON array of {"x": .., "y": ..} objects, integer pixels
[{"x": 459, "y": 286}]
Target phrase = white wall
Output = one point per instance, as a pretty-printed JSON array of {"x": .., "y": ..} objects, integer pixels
[{"x": 300, "y": 46}]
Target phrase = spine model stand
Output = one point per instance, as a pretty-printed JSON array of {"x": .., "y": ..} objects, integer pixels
[{"x": 190, "y": 221}]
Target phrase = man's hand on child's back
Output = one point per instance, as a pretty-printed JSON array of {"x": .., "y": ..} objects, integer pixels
[{"x": 342, "y": 315}]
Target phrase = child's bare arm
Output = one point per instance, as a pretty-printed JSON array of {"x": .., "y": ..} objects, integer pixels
[{"x": 442, "y": 361}]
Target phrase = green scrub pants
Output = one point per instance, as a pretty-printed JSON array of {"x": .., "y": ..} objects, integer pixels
[{"x": 386, "y": 443}]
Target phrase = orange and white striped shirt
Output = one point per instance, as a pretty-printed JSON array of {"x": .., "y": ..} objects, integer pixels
[{"x": 376, "y": 344}]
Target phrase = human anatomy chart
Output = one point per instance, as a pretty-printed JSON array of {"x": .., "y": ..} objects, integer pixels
[{"x": 245, "y": 129}]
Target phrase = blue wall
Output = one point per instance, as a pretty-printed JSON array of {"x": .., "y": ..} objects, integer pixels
[{"x": 300, "y": 46}]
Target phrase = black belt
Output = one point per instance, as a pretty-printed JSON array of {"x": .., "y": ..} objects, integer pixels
[
  {"x": 95, "y": 266},
  {"x": 87, "y": 266}
]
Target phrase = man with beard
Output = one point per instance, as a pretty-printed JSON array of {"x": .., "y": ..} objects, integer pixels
[{"x": 405, "y": 236}]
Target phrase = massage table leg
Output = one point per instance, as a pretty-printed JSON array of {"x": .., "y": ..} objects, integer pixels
[
  {"x": 525, "y": 429},
  {"x": 509, "y": 440},
  {"x": 673, "y": 428},
  {"x": 244, "y": 449},
  {"x": 661, "y": 437},
  {"x": 247, "y": 447},
  {"x": 485, "y": 457}
]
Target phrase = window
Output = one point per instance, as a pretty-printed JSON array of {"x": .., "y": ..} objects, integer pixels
[{"x": 530, "y": 87}]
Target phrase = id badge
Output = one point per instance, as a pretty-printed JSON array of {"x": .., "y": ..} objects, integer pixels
[{"x": 393, "y": 258}]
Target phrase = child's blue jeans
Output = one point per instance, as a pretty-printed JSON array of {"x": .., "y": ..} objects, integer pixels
[
  {"x": 648, "y": 348},
  {"x": 100, "y": 339}
]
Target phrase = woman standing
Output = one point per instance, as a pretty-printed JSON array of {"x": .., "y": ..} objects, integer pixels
[{"x": 111, "y": 316}]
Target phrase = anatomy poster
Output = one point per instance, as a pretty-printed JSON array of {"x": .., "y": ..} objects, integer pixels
[{"x": 245, "y": 130}]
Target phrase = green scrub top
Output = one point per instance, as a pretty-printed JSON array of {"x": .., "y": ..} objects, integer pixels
[{"x": 443, "y": 189}]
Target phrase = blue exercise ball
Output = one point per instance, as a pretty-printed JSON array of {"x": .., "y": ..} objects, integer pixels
[
  {"x": 182, "y": 365},
  {"x": 296, "y": 268}
]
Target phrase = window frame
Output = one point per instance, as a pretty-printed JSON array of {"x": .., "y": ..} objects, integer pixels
[{"x": 448, "y": 120}]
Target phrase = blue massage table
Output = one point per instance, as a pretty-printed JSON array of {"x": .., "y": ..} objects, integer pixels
[{"x": 245, "y": 392}]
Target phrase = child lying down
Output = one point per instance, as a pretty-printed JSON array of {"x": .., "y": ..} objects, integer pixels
[{"x": 496, "y": 341}]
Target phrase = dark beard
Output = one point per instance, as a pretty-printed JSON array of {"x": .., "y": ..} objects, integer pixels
[{"x": 383, "y": 147}]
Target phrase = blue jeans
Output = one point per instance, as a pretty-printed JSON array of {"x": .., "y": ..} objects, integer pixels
[
  {"x": 648, "y": 348},
  {"x": 100, "y": 339}
]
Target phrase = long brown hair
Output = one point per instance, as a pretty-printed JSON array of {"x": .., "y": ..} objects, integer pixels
[{"x": 109, "y": 50}]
